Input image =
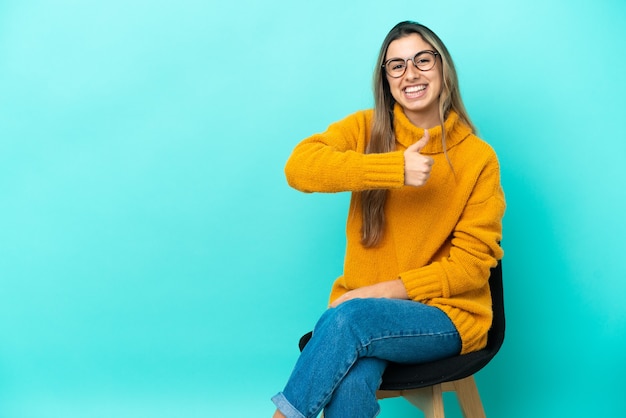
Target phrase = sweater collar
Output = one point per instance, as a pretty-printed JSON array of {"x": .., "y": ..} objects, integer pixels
[{"x": 407, "y": 133}]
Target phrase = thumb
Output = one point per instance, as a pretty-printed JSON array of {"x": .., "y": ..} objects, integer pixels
[{"x": 419, "y": 145}]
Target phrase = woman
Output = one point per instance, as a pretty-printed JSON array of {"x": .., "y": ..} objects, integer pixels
[{"x": 423, "y": 231}]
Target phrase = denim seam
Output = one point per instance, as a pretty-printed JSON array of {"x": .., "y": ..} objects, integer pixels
[
  {"x": 428, "y": 334},
  {"x": 363, "y": 348}
]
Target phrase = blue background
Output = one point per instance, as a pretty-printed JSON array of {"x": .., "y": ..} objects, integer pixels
[{"x": 154, "y": 262}]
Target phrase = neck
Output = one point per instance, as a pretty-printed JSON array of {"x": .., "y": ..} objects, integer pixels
[{"x": 424, "y": 120}]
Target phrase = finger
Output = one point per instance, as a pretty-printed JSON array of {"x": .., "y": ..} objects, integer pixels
[
  {"x": 419, "y": 145},
  {"x": 337, "y": 301}
]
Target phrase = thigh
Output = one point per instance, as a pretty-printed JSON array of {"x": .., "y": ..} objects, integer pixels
[{"x": 397, "y": 330}]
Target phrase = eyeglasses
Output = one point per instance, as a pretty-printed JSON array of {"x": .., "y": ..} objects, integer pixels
[{"x": 423, "y": 61}]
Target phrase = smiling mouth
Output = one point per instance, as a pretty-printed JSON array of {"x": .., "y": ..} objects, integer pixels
[{"x": 414, "y": 90}]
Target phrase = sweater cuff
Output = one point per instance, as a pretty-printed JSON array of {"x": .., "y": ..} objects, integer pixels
[
  {"x": 384, "y": 171},
  {"x": 425, "y": 283}
]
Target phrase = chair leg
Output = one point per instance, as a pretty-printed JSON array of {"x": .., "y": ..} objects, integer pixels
[
  {"x": 469, "y": 398},
  {"x": 428, "y": 399}
]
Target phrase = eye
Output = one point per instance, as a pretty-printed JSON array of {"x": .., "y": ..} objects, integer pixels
[
  {"x": 396, "y": 65},
  {"x": 423, "y": 59}
]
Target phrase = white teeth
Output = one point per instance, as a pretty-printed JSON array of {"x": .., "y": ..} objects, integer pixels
[{"x": 415, "y": 89}]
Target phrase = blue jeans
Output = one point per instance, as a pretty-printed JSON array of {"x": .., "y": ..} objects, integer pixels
[{"x": 341, "y": 367}]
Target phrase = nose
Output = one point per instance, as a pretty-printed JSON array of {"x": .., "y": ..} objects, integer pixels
[{"x": 411, "y": 70}]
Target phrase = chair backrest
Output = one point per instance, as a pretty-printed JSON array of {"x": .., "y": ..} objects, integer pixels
[{"x": 495, "y": 337}]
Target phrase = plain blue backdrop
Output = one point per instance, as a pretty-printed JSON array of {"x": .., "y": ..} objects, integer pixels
[{"x": 153, "y": 261}]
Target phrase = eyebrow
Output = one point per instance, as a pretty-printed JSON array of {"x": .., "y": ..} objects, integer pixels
[{"x": 417, "y": 53}]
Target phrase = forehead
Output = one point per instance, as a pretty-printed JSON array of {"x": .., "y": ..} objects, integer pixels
[{"x": 407, "y": 46}]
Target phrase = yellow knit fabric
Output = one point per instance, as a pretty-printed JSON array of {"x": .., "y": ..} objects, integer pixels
[{"x": 440, "y": 239}]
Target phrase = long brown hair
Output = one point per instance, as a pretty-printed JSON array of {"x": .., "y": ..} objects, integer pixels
[{"x": 383, "y": 138}]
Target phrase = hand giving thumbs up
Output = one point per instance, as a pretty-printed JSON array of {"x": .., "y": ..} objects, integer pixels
[{"x": 417, "y": 167}]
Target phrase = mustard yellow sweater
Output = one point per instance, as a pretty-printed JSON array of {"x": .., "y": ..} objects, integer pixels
[{"x": 440, "y": 239}]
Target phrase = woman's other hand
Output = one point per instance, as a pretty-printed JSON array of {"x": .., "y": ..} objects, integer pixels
[{"x": 393, "y": 289}]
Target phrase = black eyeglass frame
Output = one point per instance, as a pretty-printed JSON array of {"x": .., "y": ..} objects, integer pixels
[{"x": 435, "y": 54}]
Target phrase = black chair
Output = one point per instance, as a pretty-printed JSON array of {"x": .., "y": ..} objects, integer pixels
[{"x": 423, "y": 384}]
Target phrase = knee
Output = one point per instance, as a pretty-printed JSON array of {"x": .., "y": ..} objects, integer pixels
[
  {"x": 346, "y": 316},
  {"x": 365, "y": 375},
  {"x": 356, "y": 383}
]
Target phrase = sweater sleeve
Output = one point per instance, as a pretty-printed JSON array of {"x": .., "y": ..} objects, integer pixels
[
  {"x": 334, "y": 161},
  {"x": 475, "y": 245}
]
